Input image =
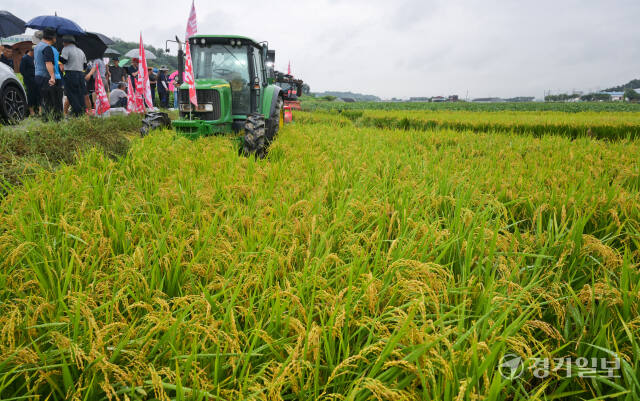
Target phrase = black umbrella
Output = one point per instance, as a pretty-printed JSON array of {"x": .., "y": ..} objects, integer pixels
[
  {"x": 10, "y": 24},
  {"x": 104, "y": 38},
  {"x": 92, "y": 44}
]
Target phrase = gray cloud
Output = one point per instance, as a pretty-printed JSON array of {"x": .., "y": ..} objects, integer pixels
[{"x": 403, "y": 48}]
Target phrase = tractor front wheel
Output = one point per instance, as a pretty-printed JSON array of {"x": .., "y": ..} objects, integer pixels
[{"x": 255, "y": 136}]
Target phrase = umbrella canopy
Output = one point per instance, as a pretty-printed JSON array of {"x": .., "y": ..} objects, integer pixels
[
  {"x": 135, "y": 53},
  {"x": 111, "y": 52},
  {"x": 63, "y": 26},
  {"x": 10, "y": 25},
  {"x": 91, "y": 44},
  {"x": 104, "y": 38}
]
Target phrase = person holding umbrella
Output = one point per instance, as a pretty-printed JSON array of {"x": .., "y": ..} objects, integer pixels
[
  {"x": 48, "y": 77},
  {"x": 74, "y": 62}
]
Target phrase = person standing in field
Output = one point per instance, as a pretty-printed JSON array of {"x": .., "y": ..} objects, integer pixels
[
  {"x": 7, "y": 56},
  {"x": 28, "y": 71},
  {"x": 132, "y": 71},
  {"x": 90, "y": 82},
  {"x": 74, "y": 61},
  {"x": 163, "y": 87},
  {"x": 116, "y": 73},
  {"x": 48, "y": 77},
  {"x": 101, "y": 68},
  {"x": 153, "y": 81}
]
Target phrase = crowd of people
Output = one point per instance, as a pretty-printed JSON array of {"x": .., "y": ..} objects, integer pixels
[{"x": 63, "y": 83}]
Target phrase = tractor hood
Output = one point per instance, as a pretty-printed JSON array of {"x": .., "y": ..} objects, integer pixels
[{"x": 208, "y": 84}]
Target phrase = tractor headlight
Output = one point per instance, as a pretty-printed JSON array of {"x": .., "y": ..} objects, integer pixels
[
  {"x": 233, "y": 42},
  {"x": 185, "y": 106},
  {"x": 205, "y": 107}
]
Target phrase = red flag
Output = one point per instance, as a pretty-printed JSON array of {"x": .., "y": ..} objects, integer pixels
[
  {"x": 143, "y": 86},
  {"x": 192, "y": 24},
  {"x": 192, "y": 29},
  {"x": 131, "y": 97},
  {"x": 188, "y": 75},
  {"x": 134, "y": 103},
  {"x": 289, "y": 68},
  {"x": 102, "y": 100}
]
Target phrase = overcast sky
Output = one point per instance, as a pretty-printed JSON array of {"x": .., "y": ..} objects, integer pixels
[{"x": 400, "y": 48}]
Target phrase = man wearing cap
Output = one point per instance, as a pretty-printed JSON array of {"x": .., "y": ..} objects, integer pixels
[
  {"x": 48, "y": 77},
  {"x": 74, "y": 61},
  {"x": 116, "y": 73},
  {"x": 28, "y": 71},
  {"x": 163, "y": 87}
]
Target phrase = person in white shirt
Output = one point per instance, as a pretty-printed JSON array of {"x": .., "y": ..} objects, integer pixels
[{"x": 118, "y": 97}]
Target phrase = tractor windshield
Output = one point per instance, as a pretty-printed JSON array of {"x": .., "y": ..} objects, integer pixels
[
  {"x": 284, "y": 85},
  {"x": 228, "y": 63}
]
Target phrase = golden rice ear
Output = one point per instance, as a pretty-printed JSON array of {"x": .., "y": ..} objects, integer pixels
[{"x": 382, "y": 254}]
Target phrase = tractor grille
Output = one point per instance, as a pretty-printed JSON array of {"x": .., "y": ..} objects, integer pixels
[{"x": 205, "y": 96}]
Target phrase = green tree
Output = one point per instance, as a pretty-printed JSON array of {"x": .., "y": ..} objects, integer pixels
[{"x": 631, "y": 95}]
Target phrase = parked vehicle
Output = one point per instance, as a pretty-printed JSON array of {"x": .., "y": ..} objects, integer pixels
[{"x": 13, "y": 99}]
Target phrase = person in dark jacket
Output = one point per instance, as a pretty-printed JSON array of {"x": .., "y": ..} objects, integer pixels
[
  {"x": 6, "y": 56},
  {"x": 163, "y": 87},
  {"x": 153, "y": 82},
  {"x": 28, "y": 71}
]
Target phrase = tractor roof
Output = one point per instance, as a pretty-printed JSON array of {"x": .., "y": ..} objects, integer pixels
[{"x": 224, "y": 39}]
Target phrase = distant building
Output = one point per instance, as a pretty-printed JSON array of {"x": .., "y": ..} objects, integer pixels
[
  {"x": 521, "y": 99},
  {"x": 615, "y": 96},
  {"x": 453, "y": 98},
  {"x": 488, "y": 100},
  {"x": 419, "y": 99}
]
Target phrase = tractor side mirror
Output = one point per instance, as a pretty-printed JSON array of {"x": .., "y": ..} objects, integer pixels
[{"x": 166, "y": 50}]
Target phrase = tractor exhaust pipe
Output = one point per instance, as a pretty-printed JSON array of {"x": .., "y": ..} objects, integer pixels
[{"x": 180, "y": 61}]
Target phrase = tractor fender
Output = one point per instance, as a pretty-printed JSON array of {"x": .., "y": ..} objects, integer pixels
[{"x": 270, "y": 100}]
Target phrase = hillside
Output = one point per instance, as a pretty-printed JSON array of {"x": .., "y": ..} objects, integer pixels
[
  {"x": 633, "y": 84},
  {"x": 357, "y": 96}
]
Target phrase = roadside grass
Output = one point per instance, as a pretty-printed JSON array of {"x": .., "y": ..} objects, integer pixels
[
  {"x": 351, "y": 264},
  {"x": 32, "y": 145}
]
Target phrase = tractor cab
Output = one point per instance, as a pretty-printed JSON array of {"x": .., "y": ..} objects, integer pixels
[{"x": 233, "y": 86}]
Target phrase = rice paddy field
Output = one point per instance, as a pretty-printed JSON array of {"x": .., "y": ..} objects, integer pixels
[{"x": 360, "y": 260}]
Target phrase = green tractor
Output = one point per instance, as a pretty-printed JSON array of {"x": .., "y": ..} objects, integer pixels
[{"x": 235, "y": 92}]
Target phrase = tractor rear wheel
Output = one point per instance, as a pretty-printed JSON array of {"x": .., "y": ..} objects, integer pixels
[
  {"x": 275, "y": 121},
  {"x": 255, "y": 136}
]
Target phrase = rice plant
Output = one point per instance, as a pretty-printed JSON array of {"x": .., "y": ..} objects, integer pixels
[{"x": 352, "y": 263}]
